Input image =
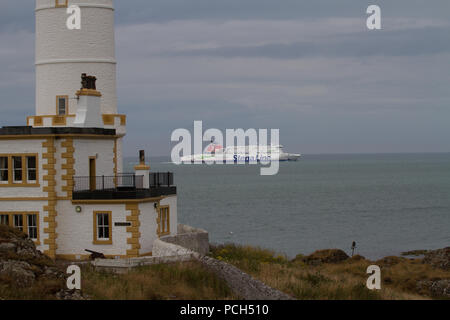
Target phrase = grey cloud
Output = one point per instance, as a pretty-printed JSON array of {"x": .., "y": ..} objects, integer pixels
[
  {"x": 15, "y": 15},
  {"x": 430, "y": 40},
  {"x": 383, "y": 91}
]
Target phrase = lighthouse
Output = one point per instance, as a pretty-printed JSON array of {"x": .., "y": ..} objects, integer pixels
[{"x": 61, "y": 177}]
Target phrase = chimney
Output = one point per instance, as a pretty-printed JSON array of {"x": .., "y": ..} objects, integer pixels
[
  {"x": 142, "y": 169},
  {"x": 88, "y": 113}
]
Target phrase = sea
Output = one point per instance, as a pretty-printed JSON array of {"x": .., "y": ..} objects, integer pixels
[{"x": 386, "y": 203}]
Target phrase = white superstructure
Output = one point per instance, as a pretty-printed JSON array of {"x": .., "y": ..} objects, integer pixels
[{"x": 241, "y": 154}]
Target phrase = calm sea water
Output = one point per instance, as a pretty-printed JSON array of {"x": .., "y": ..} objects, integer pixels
[{"x": 387, "y": 203}]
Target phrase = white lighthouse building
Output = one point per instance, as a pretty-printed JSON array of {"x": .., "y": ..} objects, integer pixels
[{"x": 61, "y": 177}]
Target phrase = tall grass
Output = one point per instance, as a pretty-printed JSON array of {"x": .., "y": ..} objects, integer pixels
[
  {"x": 43, "y": 289},
  {"x": 180, "y": 281},
  {"x": 342, "y": 281}
]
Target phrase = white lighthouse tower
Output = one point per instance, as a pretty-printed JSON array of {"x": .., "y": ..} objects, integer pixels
[{"x": 62, "y": 55}]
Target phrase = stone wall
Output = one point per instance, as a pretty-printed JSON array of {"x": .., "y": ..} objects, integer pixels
[
  {"x": 165, "y": 249},
  {"x": 242, "y": 284},
  {"x": 188, "y": 237}
]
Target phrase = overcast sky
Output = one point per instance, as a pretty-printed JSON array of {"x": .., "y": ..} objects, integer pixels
[{"x": 310, "y": 68}]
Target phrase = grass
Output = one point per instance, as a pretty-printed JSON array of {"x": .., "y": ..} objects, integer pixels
[
  {"x": 42, "y": 289},
  {"x": 342, "y": 281},
  {"x": 180, "y": 281},
  {"x": 298, "y": 277}
]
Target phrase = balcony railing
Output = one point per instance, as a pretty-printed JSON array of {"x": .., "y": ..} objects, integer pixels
[
  {"x": 120, "y": 181},
  {"x": 161, "y": 179}
]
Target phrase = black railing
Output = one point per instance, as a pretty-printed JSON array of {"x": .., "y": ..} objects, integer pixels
[
  {"x": 161, "y": 179},
  {"x": 120, "y": 181}
]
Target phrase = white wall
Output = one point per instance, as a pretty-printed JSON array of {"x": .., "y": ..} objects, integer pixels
[
  {"x": 75, "y": 230},
  {"x": 148, "y": 226},
  {"x": 85, "y": 148}
]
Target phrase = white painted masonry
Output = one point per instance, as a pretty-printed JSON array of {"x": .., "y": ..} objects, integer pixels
[
  {"x": 148, "y": 226},
  {"x": 62, "y": 55},
  {"x": 75, "y": 230},
  {"x": 101, "y": 149}
]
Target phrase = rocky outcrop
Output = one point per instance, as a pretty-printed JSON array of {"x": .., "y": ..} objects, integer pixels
[
  {"x": 437, "y": 288},
  {"x": 20, "y": 263},
  {"x": 325, "y": 256},
  {"x": 438, "y": 258},
  {"x": 22, "y": 266}
]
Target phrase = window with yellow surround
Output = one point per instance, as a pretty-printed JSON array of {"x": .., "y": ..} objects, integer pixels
[
  {"x": 102, "y": 227},
  {"x": 18, "y": 170},
  {"x": 27, "y": 222},
  {"x": 62, "y": 103},
  {"x": 164, "y": 221}
]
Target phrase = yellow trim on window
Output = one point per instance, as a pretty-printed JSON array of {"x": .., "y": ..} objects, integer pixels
[
  {"x": 24, "y": 182},
  {"x": 95, "y": 236},
  {"x": 24, "y": 215},
  {"x": 163, "y": 224},
  {"x": 61, "y": 5},
  {"x": 66, "y": 108}
]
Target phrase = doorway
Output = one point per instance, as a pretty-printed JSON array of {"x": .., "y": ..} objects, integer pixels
[{"x": 92, "y": 180}]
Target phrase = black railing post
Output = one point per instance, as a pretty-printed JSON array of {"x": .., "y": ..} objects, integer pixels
[{"x": 103, "y": 182}]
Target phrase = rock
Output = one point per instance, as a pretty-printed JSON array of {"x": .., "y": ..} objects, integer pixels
[
  {"x": 326, "y": 256},
  {"x": 438, "y": 258},
  {"x": 7, "y": 247},
  {"x": 437, "y": 288},
  {"x": 70, "y": 295},
  {"x": 22, "y": 266},
  {"x": 18, "y": 273}
]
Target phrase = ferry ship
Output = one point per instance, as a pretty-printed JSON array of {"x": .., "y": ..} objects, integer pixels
[{"x": 241, "y": 154}]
